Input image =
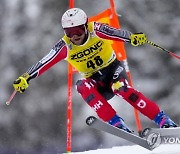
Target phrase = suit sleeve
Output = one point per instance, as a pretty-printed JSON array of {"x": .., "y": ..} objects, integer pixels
[
  {"x": 57, "y": 53},
  {"x": 107, "y": 32}
]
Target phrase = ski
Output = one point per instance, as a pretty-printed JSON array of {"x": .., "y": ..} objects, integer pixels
[
  {"x": 173, "y": 131},
  {"x": 100, "y": 125}
]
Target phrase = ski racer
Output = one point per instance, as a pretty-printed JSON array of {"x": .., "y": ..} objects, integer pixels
[{"x": 87, "y": 48}]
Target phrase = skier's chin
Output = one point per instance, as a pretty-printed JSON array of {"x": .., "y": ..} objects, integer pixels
[{"x": 77, "y": 41}]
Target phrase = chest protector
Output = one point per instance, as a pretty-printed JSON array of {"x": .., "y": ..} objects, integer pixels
[{"x": 95, "y": 54}]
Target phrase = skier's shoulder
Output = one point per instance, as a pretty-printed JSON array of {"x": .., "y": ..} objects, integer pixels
[{"x": 59, "y": 45}]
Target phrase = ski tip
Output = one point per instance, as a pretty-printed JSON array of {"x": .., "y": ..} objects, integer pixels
[{"x": 90, "y": 120}]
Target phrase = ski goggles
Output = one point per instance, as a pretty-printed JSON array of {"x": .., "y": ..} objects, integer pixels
[{"x": 78, "y": 30}]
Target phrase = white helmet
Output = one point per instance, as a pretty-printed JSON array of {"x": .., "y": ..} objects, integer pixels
[{"x": 73, "y": 17}]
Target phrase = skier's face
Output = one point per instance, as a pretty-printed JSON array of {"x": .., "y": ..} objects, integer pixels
[{"x": 76, "y": 34}]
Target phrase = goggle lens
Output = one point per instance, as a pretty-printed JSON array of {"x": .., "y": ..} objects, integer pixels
[{"x": 78, "y": 30}]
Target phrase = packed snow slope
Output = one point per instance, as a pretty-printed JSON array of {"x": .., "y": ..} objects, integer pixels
[{"x": 135, "y": 149}]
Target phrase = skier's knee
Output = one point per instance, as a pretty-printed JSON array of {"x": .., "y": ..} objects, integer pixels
[
  {"x": 83, "y": 84},
  {"x": 118, "y": 86},
  {"x": 79, "y": 85}
]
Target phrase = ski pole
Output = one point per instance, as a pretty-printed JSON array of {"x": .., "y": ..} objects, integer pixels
[
  {"x": 11, "y": 97},
  {"x": 163, "y": 49}
]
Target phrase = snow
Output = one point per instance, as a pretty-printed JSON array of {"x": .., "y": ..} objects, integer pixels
[{"x": 162, "y": 149}]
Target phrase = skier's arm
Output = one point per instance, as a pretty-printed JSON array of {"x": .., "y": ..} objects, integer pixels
[
  {"x": 107, "y": 32},
  {"x": 57, "y": 53}
]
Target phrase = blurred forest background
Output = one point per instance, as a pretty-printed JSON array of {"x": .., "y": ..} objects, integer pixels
[{"x": 35, "y": 122}]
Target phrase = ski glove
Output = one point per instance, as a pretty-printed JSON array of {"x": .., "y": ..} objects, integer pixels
[
  {"x": 21, "y": 83},
  {"x": 138, "y": 39}
]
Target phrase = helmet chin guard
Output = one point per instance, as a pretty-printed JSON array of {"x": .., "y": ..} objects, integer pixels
[{"x": 74, "y": 17}]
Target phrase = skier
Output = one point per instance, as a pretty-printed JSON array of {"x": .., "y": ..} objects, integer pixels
[{"x": 87, "y": 48}]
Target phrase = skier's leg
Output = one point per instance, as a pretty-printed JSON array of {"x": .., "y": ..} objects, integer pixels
[
  {"x": 136, "y": 99},
  {"x": 142, "y": 103},
  {"x": 121, "y": 88},
  {"x": 87, "y": 89}
]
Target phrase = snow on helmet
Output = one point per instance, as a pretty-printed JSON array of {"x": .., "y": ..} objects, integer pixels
[{"x": 73, "y": 17}]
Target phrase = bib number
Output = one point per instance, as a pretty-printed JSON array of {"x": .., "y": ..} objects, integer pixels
[{"x": 97, "y": 62}]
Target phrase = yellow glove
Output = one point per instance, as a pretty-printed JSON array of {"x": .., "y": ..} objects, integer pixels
[
  {"x": 138, "y": 39},
  {"x": 21, "y": 83}
]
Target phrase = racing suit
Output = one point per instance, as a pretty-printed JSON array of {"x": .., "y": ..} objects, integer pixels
[{"x": 103, "y": 75}]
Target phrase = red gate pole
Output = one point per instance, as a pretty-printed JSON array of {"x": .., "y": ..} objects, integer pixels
[
  {"x": 69, "y": 109},
  {"x": 69, "y": 101},
  {"x": 71, "y": 4}
]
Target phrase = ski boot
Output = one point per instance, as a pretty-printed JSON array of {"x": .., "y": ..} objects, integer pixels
[
  {"x": 164, "y": 121},
  {"x": 118, "y": 122}
]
